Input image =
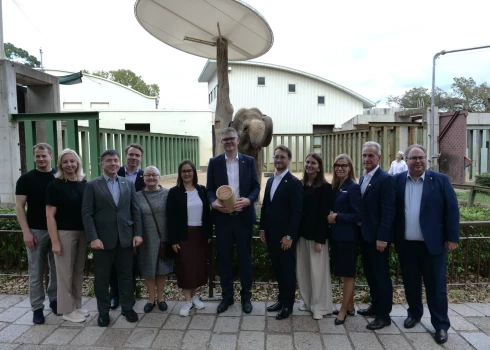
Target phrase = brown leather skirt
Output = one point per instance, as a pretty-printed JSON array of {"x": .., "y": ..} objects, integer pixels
[{"x": 192, "y": 271}]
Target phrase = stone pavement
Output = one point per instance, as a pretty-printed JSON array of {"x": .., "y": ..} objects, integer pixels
[{"x": 233, "y": 329}]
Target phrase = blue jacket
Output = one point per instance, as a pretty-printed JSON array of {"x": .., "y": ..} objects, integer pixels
[
  {"x": 347, "y": 205},
  {"x": 249, "y": 184},
  {"x": 439, "y": 212},
  {"x": 378, "y": 207}
]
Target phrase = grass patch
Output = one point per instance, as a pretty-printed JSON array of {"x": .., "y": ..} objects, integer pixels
[{"x": 481, "y": 198}]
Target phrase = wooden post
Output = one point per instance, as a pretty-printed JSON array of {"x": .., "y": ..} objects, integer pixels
[{"x": 224, "y": 109}]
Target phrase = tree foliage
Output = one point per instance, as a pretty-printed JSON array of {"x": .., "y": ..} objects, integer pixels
[
  {"x": 465, "y": 94},
  {"x": 128, "y": 78},
  {"x": 21, "y": 56}
]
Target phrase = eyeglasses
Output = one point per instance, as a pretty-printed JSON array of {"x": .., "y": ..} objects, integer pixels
[
  {"x": 228, "y": 139},
  {"x": 186, "y": 171},
  {"x": 280, "y": 157},
  {"x": 343, "y": 166},
  {"x": 151, "y": 175},
  {"x": 414, "y": 159}
]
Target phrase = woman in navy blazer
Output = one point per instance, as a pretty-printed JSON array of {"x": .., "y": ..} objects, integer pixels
[{"x": 344, "y": 229}]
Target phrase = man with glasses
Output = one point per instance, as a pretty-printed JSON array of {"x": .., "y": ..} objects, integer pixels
[
  {"x": 234, "y": 228},
  {"x": 426, "y": 227}
]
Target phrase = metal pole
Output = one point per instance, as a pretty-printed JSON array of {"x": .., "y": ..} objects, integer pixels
[
  {"x": 41, "y": 53},
  {"x": 2, "y": 51},
  {"x": 433, "y": 99}
]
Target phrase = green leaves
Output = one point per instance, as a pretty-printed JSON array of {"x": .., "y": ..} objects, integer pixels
[
  {"x": 128, "y": 78},
  {"x": 21, "y": 56}
]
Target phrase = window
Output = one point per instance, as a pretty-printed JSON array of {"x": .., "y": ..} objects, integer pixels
[
  {"x": 214, "y": 92},
  {"x": 137, "y": 127},
  {"x": 210, "y": 97},
  {"x": 291, "y": 87},
  {"x": 321, "y": 100},
  {"x": 72, "y": 105},
  {"x": 261, "y": 81},
  {"x": 99, "y": 105}
]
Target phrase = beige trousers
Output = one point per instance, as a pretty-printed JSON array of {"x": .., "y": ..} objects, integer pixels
[
  {"x": 313, "y": 276},
  {"x": 69, "y": 270}
]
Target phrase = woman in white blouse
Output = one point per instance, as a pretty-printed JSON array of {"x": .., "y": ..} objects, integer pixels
[
  {"x": 398, "y": 165},
  {"x": 190, "y": 231}
]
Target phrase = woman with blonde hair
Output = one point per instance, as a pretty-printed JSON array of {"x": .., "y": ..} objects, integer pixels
[
  {"x": 344, "y": 229},
  {"x": 69, "y": 243}
]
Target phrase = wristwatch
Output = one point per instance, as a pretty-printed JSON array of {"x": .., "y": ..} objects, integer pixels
[{"x": 288, "y": 238}]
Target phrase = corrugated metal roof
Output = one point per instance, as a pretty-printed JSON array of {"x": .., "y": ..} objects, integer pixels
[{"x": 210, "y": 68}]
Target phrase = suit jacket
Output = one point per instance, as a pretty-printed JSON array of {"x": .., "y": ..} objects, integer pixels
[
  {"x": 249, "y": 184},
  {"x": 317, "y": 203},
  {"x": 347, "y": 205},
  {"x": 439, "y": 212},
  {"x": 378, "y": 207},
  {"x": 139, "y": 184},
  {"x": 282, "y": 216},
  {"x": 104, "y": 220},
  {"x": 177, "y": 214}
]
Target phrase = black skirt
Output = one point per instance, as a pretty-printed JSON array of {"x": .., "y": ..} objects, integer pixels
[
  {"x": 192, "y": 271},
  {"x": 344, "y": 256}
]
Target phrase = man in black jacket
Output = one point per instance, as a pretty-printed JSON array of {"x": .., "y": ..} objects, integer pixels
[
  {"x": 131, "y": 171},
  {"x": 280, "y": 218}
]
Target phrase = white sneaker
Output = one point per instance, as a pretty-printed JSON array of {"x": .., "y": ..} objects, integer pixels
[
  {"x": 83, "y": 312},
  {"x": 197, "y": 302},
  {"x": 185, "y": 309},
  {"x": 302, "y": 306},
  {"x": 317, "y": 316},
  {"x": 74, "y": 317}
]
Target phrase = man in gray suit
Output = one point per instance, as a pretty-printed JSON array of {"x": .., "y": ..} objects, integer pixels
[{"x": 112, "y": 222}]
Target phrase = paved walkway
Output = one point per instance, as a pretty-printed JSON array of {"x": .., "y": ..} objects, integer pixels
[{"x": 233, "y": 330}]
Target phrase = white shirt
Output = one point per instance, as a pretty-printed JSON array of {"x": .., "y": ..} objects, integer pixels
[
  {"x": 232, "y": 170},
  {"x": 398, "y": 167},
  {"x": 367, "y": 180},
  {"x": 194, "y": 208},
  {"x": 413, "y": 198},
  {"x": 277, "y": 180}
]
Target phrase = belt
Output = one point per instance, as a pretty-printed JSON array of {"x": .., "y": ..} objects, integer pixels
[{"x": 233, "y": 213}]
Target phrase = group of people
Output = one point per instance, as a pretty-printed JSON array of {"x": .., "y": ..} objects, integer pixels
[{"x": 130, "y": 221}]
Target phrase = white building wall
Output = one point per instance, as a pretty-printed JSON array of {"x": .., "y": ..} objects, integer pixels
[{"x": 292, "y": 113}]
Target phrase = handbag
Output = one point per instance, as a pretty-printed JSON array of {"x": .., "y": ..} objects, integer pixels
[{"x": 165, "y": 250}]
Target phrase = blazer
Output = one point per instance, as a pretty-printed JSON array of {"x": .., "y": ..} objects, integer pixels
[
  {"x": 317, "y": 202},
  {"x": 282, "y": 216},
  {"x": 177, "y": 214},
  {"x": 347, "y": 205},
  {"x": 104, "y": 220},
  {"x": 139, "y": 184},
  {"x": 439, "y": 212},
  {"x": 378, "y": 207},
  {"x": 249, "y": 185}
]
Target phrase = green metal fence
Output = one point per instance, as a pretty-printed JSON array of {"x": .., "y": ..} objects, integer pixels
[{"x": 61, "y": 130}]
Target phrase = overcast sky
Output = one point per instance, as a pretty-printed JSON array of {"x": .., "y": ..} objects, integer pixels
[{"x": 375, "y": 48}]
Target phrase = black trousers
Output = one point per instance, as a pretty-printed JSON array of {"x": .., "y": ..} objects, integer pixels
[
  {"x": 231, "y": 232},
  {"x": 284, "y": 266},
  {"x": 114, "y": 290},
  {"x": 376, "y": 266},
  {"x": 416, "y": 262},
  {"x": 104, "y": 259}
]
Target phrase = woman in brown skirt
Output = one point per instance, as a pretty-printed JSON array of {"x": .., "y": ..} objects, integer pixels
[{"x": 190, "y": 231}]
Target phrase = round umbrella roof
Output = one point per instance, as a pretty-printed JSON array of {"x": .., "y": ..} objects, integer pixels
[{"x": 248, "y": 34}]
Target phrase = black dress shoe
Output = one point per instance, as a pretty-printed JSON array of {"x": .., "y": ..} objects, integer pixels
[
  {"x": 275, "y": 307},
  {"x": 370, "y": 311},
  {"x": 285, "y": 312},
  {"x": 103, "y": 320},
  {"x": 223, "y": 306},
  {"x": 410, "y": 322},
  {"x": 339, "y": 322},
  {"x": 162, "y": 305},
  {"x": 350, "y": 312},
  {"x": 130, "y": 315},
  {"x": 441, "y": 336},
  {"x": 247, "y": 306},
  {"x": 378, "y": 323},
  {"x": 148, "y": 307},
  {"x": 114, "y": 303}
]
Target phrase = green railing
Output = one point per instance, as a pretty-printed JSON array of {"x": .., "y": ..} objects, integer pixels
[{"x": 61, "y": 130}]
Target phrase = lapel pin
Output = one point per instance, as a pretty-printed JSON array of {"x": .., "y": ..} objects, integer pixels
[
  {"x": 285, "y": 180},
  {"x": 243, "y": 161}
]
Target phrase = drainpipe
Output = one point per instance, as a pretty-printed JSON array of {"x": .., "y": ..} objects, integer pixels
[{"x": 2, "y": 51}]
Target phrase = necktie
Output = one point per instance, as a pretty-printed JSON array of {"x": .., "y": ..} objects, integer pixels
[{"x": 365, "y": 183}]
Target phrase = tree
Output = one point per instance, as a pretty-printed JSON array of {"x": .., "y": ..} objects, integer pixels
[
  {"x": 413, "y": 98},
  {"x": 21, "y": 56},
  {"x": 128, "y": 78}
]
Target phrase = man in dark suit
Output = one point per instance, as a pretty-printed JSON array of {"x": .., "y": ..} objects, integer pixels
[
  {"x": 378, "y": 213},
  {"x": 426, "y": 226},
  {"x": 111, "y": 218},
  {"x": 130, "y": 171},
  {"x": 280, "y": 218},
  {"x": 234, "y": 227}
]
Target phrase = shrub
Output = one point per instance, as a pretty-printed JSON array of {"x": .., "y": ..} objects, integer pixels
[{"x": 483, "y": 180}]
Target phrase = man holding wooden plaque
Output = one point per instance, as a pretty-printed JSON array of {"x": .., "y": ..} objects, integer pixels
[{"x": 233, "y": 224}]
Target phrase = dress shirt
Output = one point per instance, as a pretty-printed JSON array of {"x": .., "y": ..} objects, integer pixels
[
  {"x": 232, "y": 170},
  {"x": 398, "y": 167},
  {"x": 277, "y": 180},
  {"x": 367, "y": 179},
  {"x": 194, "y": 208},
  {"x": 113, "y": 185},
  {"x": 413, "y": 197},
  {"x": 132, "y": 176}
]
